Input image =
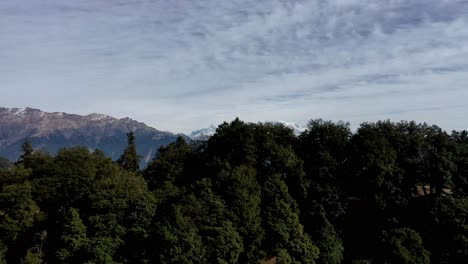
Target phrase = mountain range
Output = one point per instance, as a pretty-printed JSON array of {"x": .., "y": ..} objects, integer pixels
[
  {"x": 209, "y": 131},
  {"x": 52, "y": 131}
]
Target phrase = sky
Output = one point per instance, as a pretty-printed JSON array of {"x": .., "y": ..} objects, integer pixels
[{"x": 182, "y": 65}]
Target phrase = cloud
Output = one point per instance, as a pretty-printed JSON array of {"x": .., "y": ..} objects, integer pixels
[{"x": 180, "y": 65}]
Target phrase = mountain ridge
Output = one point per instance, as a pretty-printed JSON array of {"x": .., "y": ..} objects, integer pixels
[{"x": 51, "y": 131}]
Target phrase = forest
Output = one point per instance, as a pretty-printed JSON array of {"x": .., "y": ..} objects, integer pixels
[{"x": 388, "y": 192}]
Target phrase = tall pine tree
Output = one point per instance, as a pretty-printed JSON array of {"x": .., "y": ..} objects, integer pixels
[
  {"x": 130, "y": 160},
  {"x": 26, "y": 151}
]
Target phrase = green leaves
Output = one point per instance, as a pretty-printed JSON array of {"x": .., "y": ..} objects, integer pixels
[
  {"x": 170, "y": 164},
  {"x": 251, "y": 193},
  {"x": 282, "y": 226},
  {"x": 73, "y": 239},
  {"x": 18, "y": 210},
  {"x": 402, "y": 245},
  {"x": 3, "y": 251}
]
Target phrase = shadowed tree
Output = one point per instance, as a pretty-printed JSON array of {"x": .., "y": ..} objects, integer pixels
[
  {"x": 285, "y": 236},
  {"x": 323, "y": 147},
  {"x": 33, "y": 257},
  {"x": 3, "y": 251},
  {"x": 26, "y": 151},
  {"x": 130, "y": 160},
  {"x": 241, "y": 192},
  {"x": 325, "y": 237},
  {"x": 170, "y": 165},
  {"x": 402, "y": 246},
  {"x": 73, "y": 238},
  {"x": 5, "y": 163},
  {"x": 438, "y": 165},
  {"x": 445, "y": 229},
  {"x": 460, "y": 176},
  {"x": 19, "y": 213}
]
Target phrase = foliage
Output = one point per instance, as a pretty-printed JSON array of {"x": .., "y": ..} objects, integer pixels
[
  {"x": 5, "y": 163},
  {"x": 130, "y": 160},
  {"x": 26, "y": 150},
  {"x": 386, "y": 193},
  {"x": 285, "y": 234},
  {"x": 33, "y": 257},
  {"x": 73, "y": 237},
  {"x": 403, "y": 245}
]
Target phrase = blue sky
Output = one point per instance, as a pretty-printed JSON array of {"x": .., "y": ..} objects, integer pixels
[{"x": 181, "y": 65}]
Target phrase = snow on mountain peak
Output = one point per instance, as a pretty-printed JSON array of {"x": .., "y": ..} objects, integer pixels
[
  {"x": 297, "y": 129},
  {"x": 209, "y": 131},
  {"x": 203, "y": 133},
  {"x": 17, "y": 111},
  {"x": 97, "y": 117}
]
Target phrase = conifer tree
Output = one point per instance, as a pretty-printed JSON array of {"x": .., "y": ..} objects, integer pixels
[
  {"x": 3, "y": 250},
  {"x": 402, "y": 245},
  {"x": 130, "y": 160},
  {"x": 32, "y": 257},
  {"x": 169, "y": 165},
  {"x": 73, "y": 237},
  {"x": 285, "y": 234},
  {"x": 26, "y": 150}
]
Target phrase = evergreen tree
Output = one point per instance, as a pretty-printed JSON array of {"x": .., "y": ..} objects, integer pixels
[
  {"x": 120, "y": 210},
  {"x": 3, "y": 251},
  {"x": 438, "y": 165},
  {"x": 327, "y": 240},
  {"x": 241, "y": 192},
  {"x": 33, "y": 257},
  {"x": 5, "y": 163},
  {"x": 76, "y": 173},
  {"x": 402, "y": 245},
  {"x": 251, "y": 193},
  {"x": 285, "y": 237},
  {"x": 324, "y": 148},
  {"x": 171, "y": 164},
  {"x": 130, "y": 160},
  {"x": 223, "y": 243},
  {"x": 447, "y": 229},
  {"x": 73, "y": 238},
  {"x": 26, "y": 150},
  {"x": 19, "y": 211},
  {"x": 460, "y": 176}
]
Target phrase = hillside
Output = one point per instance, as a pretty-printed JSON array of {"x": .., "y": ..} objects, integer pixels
[{"x": 53, "y": 131}]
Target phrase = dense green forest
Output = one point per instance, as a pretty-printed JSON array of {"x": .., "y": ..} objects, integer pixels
[{"x": 252, "y": 193}]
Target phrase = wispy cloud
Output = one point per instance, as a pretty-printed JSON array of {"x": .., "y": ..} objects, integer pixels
[{"x": 181, "y": 65}]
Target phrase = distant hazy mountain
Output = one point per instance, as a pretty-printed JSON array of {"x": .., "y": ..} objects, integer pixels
[
  {"x": 297, "y": 129},
  {"x": 203, "y": 133},
  {"x": 52, "y": 131},
  {"x": 209, "y": 131}
]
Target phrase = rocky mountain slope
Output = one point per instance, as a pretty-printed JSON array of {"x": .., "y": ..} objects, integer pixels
[{"x": 52, "y": 131}]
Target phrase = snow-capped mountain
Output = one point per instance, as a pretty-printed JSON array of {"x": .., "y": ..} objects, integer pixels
[
  {"x": 297, "y": 129},
  {"x": 203, "y": 133},
  {"x": 52, "y": 131}
]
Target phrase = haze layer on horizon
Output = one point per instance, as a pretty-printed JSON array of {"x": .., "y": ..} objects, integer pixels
[{"x": 181, "y": 65}]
